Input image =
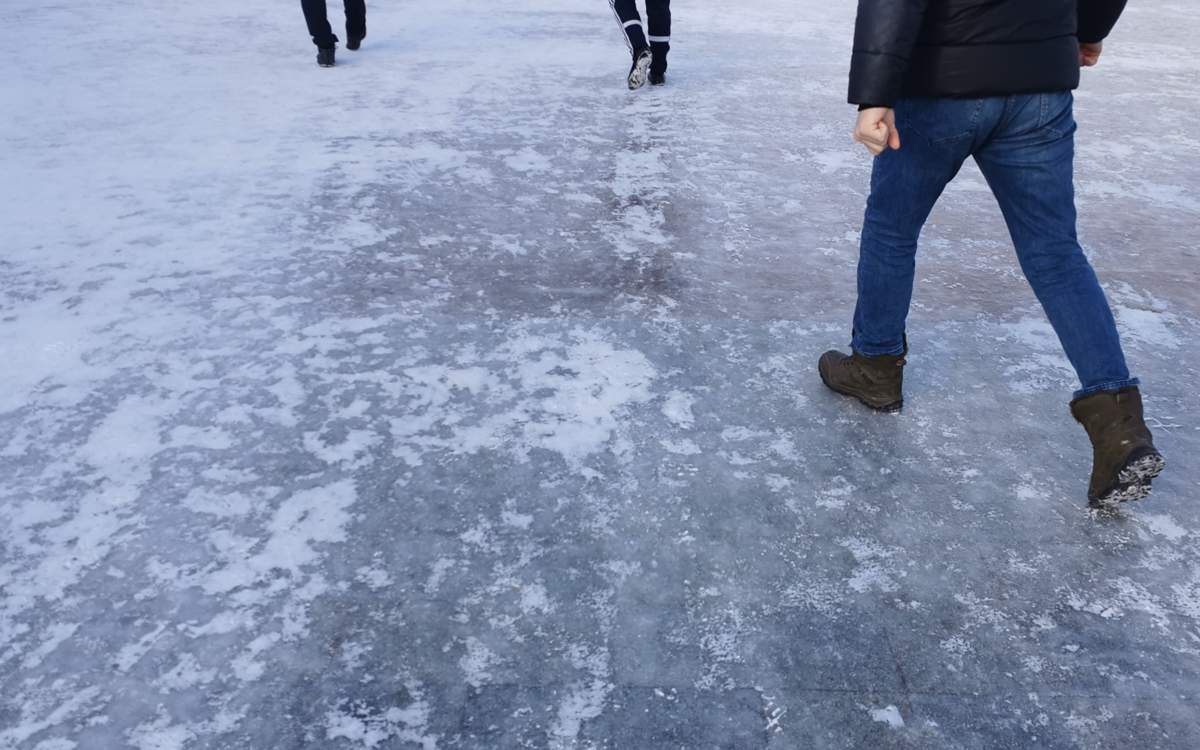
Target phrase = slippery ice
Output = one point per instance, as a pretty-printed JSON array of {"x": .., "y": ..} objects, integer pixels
[{"x": 458, "y": 398}]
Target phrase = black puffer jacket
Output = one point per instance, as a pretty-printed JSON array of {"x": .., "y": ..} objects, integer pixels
[{"x": 958, "y": 48}]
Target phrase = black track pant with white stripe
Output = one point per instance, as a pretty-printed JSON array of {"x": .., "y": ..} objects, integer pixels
[{"x": 637, "y": 36}]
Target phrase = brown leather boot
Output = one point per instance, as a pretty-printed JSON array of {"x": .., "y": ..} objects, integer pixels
[
  {"x": 1125, "y": 459},
  {"x": 876, "y": 381}
]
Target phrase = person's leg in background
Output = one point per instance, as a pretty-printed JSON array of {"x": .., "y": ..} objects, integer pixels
[
  {"x": 1029, "y": 164},
  {"x": 627, "y": 15},
  {"x": 318, "y": 23},
  {"x": 322, "y": 34},
  {"x": 356, "y": 23},
  {"x": 635, "y": 37},
  {"x": 658, "y": 16}
]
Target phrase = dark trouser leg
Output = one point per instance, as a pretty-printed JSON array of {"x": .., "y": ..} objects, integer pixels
[
  {"x": 356, "y": 19},
  {"x": 318, "y": 23},
  {"x": 631, "y": 24},
  {"x": 905, "y": 185},
  {"x": 1029, "y": 164},
  {"x": 658, "y": 15}
]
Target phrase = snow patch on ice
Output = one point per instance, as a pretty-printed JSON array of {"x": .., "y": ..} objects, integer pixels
[
  {"x": 874, "y": 569},
  {"x": 440, "y": 568},
  {"x": 1187, "y": 597},
  {"x": 527, "y": 160},
  {"x": 535, "y": 599},
  {"x": 889, "y": 715},
  {"x": 408, "y": 724},
  {"x": 540, "y": 393},
  {"x": 834, "y": 497},
  {"x": 1163, "y": 525},
  {"x": 475, "y": 663},
  {"x": 1128, "y": 595},
  {"x": 187, "y": 672},
  {"x": 132, "y": 653},
  {"x": 1147, "y": 327},
  {"x": 302, "y": 522},
  {"x": 161, "y": 734},
  {"x": 56, "y": 635},
  {"x": 684, "y": 447},
  {"x": 582, "y": 703},
  {"x": 677, "y": 408},
  {"x": 354, "y": 445},
  {"x": 40, "y": 711},
  {"x": 815, "y": 594},
  {"x": 374, "y": 578},
  {"x": 516, "y": 520}
]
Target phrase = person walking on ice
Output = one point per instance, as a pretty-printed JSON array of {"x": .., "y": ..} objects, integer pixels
[
  {"x": 315, "y": 15},
  {"x": 649, "y": 47},
  {"x": 938, "y": 81}
]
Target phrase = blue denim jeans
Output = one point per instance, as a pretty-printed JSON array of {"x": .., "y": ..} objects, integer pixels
[{"x": 1025, "y": 147}]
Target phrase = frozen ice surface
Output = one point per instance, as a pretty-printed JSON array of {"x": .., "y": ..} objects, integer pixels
[{"x": 458, "y": 398}]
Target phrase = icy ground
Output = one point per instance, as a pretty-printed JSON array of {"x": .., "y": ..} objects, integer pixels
[{"x": 458, "y": 398}]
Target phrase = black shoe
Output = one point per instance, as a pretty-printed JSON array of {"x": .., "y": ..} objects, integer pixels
[
  {"x": 325, "y": 56},
  {"x": 641, "y": 67},
  {"x": 355, "y": 34},
  {"x": 657, "y": 79}
]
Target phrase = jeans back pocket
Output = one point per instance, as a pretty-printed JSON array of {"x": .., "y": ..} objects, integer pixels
[
  {"x": 1057, "y": 113},
  {"x": 939, "y": 121}
]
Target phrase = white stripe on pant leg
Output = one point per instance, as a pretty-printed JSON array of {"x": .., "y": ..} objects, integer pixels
[
  {"x": 628, "y": 42},
  {"x": 627, "y": 24},
  {"x": 660, "y": 39}
]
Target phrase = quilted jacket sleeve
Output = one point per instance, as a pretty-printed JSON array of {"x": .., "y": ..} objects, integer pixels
[
  {"x": 884, "y": 36},
  {"x": 1097, "y": 18}
]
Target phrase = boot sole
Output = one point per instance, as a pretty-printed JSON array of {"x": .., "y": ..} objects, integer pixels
[
  {"x": 1134, "y": 481},
  {"x": 887, "y": 408},
  {"x": 641, "y": 71}
]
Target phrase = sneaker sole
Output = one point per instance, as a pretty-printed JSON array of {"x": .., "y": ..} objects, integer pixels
[
  {"x": 888, "y": 408},
  {"x": 1135, "y": 481},
  {"x": 640, "y": 72}
]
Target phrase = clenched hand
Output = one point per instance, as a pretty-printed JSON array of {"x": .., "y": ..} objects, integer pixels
[
  {"x": 876, "y": 129},
  {"x": 1089, "y": 54}
]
